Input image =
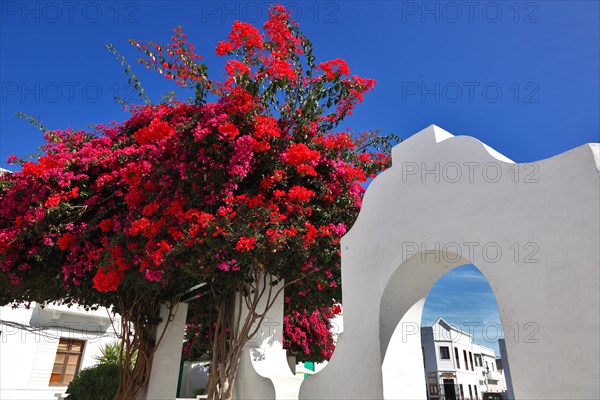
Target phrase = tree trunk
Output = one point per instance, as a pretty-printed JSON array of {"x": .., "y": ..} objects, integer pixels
[
  {"x": 239, "y": 317},
  {"x": 139, "y": 321}
]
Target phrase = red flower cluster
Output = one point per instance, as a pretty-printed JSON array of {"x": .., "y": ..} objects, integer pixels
[
  {"x": 302, "y": 158},
  {"x": 107, "y": 281},
  {"x": 224, "y": 48},
  {"x": 336, "y": 309},
  {"x": 236, "y": 68},
  {"x": 245, "y": 35},
  {"x": 333, "y": 67},
  {"x": 157, "y": 130},
  {"x": 245, "y": 244},
  {"x": 265, "y": 128},
  {"x": 228, "y": 131},
  {"x": 66, "y": 240},
  {"x": 300, "y": 194}
]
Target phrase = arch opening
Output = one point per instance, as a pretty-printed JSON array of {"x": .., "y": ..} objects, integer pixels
[{"x": 439, "y": 331}]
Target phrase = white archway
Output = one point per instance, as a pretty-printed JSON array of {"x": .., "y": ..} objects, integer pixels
[
  {"x": 403, "y": 369},
  {"x": 531, "y": 229}
]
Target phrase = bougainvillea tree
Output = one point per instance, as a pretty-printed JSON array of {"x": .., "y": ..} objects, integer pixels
[{"x": 244, "y": 186}]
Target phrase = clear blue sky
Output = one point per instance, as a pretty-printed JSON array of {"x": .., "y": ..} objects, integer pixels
[
  {"x": 523, "y": 77},
  {"x": 465, "y": 300}
]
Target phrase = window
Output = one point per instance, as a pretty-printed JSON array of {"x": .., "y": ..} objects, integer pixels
[
  {"x": 466, "y": 362},
  {"x": 470, "y": 392},
  {"x": 456, "y": 357},
  {"x": 444, "y": 353},
  {"x": 66, "y": 363},
  {"x": 462, "y": 393},
  {"x": 433, "y": 389},
  {"x": 478, "y": 362},
  {"x": 476, "y": 394},
  {"x": 471, "y": 360}
]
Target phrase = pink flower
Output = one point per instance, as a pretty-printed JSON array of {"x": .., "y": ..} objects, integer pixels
[
  {"x": 241, "y": 160},
  {"x": 154, "y": 275},
  {"x": 230, "y": 265},
  {"x": 339, "y": 229}
]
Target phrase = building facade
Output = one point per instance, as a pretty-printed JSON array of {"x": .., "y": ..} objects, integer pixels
[
  {"x": 456, "y": 368},
  {"x": 42, "y": 349}
]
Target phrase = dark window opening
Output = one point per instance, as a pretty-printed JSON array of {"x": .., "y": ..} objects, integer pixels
[
  {"x": 456, "y": 357},
  {"x": 444, "y": 353}
]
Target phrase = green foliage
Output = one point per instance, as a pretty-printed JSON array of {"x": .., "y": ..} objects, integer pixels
[
  {"x": 132, "y": 78},
  {"x": 110, "y": 354},
  {"x": 99, "y": 382},
  {"x": 33, "y": 121}
]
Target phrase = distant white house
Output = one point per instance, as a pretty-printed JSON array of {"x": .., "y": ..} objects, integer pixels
[
  {"x": 456, "y": 368},
  {"x": 42, "y": 349}
]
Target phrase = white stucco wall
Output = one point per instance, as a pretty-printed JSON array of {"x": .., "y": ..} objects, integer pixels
[
  {"x": 27, "y": 352},
  {"x": 193, "y": 377},
  {"x": 506, "y": 372},
  {"x": 420, "y": 219}
]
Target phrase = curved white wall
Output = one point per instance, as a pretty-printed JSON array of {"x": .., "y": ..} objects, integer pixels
[{"x": 531, "y": 229}]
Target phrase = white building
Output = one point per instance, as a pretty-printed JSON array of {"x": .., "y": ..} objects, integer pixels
[
  {"x": 455, "y": 367},
  {"x": 42, "y": 349}
]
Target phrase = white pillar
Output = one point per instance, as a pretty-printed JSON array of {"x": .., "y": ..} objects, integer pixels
[
  {"x": 264, "y": 372},
  {"x": 402, "y": 357},
  {"x": 167, "y": 358}
]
